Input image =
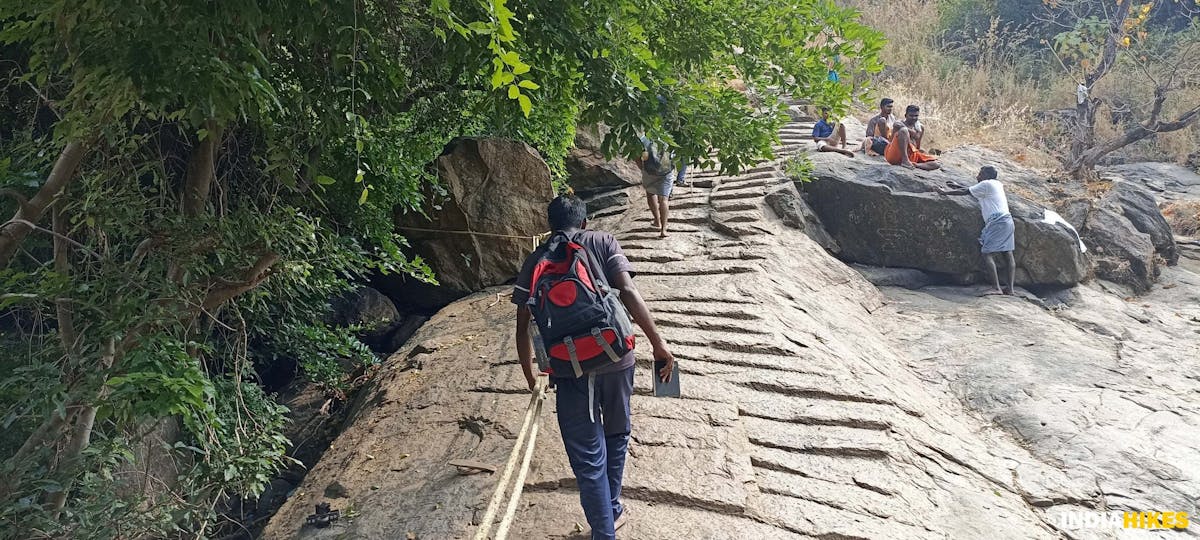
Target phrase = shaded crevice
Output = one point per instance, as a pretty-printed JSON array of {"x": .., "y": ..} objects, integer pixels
[
  {"x": 831, "y": 451},
  {"x": 731, "y": 270},
  {"x": 735, "y": 315},
  {"x": 706, "y": 326},
  {"x": 757, "y": 348},
  {"x": 810, "y": 393},
  {"x": 857, "y": 423}
]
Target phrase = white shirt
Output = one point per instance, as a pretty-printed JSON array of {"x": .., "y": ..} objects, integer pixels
[{"x": 991, "y": 198}]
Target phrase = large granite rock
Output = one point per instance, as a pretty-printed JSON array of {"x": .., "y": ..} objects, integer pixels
[
  {"x": 888, "y": 216},
  {"x": 1167, "y": 180},
  {"x": 1122, "y": 253},
  {"x": 1140, "y": 208},
  {"x": 493, "y": 186},
  {"x": 590, "y": 172},
  {"x": 793, "y": 212}
]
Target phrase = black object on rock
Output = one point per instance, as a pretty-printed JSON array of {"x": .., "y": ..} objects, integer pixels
[{"x": 323, "y": 516}]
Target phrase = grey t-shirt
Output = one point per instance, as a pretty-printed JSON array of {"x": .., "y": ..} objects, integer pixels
[{"x": 602, "y": 247}]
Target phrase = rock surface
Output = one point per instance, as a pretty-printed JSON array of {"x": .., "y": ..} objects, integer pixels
[
  {"x": 1121, "y": 253},
  {"x": 1107, "y": 388},
  {"x": 1167, "y": 180},
  {"x": 493, "y": 186},
  {"x": 589, "y": 172},
  {"x": 814, "y": 406},
  {"x": 1140, "y": 208},
  {"x": 372, "y": 310},
  {"x": 882, "y": 215}
]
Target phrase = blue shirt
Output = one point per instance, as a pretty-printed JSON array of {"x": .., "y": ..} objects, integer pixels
[{"x": 822, "y": 129}]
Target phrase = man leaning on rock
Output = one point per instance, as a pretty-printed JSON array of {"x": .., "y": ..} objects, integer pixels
[{"x": 998, "y": 229}]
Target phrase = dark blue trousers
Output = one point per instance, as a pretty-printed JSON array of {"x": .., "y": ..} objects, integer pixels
[{"x": 593, "y": 416}]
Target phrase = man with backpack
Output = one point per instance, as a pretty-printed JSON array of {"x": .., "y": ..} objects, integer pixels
[
  {"x": 658, "y": 176},
  {"x": 577, "y": 288}
]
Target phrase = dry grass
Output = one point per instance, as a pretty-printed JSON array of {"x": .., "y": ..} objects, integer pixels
[
  {"x": 1184, "y": 217},
  {"x": 988, "y": 103}
]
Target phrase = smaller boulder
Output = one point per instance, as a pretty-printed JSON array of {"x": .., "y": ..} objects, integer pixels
[
  {"x": 1139, "y": 206},
  {"x": 588, "y": 171},
  {"x": 1121, "y": 253},
  {"x": 793, "y": 212},
  {"x": 366, "y": 307}
]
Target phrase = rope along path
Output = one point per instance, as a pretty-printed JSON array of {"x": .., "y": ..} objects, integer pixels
[
  {"x": 523, "y": 448},
  {"x": 529, "y": 428},
  {"x": 537, "y": 238}
]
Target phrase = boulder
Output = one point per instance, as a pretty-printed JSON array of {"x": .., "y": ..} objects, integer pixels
[
  {"x": 364, "y": 306},
  {"x": 1139, "y": 206},
  {"x": 1121, "y": 253},
  {"x": 372, "y": 310},
  {"x": 889, "y": 216},
  {"x": 588, "y": 171},
  {"x": 793, "y": 212},
  {"x": 492, "y": 186},
  {"x": 1167, "y": 180}
]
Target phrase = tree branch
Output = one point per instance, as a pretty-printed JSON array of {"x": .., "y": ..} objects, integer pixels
[
  {"x": 12, "y": 223},
  {"x": 251, "y": 278},
  {"x": 22, "y": 202},
  {"x": 1115, "y": 33},
  {"x": 201, "y": 171},
  {"x": 62, "y": 265},
  {"x": 15, "y": 230}
]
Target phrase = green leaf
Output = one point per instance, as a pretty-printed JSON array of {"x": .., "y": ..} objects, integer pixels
[
  {"x": 362, "y": 199},
  {"x": 511, "y": 58},
  {"x": 526, "y": 105},
  {"x": 325, "y": 180},
  {"x": 520, "y": 68},
  {"x": 513, "y": 92},
  {"x": 528, "y": 85}
]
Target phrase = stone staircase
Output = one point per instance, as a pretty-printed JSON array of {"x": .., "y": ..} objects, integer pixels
[{"x": 797, "y": 421}]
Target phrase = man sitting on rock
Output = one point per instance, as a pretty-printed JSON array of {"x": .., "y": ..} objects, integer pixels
[
  {"x": 879, "y": 129},
  {"x": 997, "y": 237},
  {"x": 593, "y": 405},
  {"x": 904, "y": 148},
  {"x": 830, "y": 137}
]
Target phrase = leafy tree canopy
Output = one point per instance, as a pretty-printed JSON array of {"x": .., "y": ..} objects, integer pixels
[{"x": 191, "y": 181}]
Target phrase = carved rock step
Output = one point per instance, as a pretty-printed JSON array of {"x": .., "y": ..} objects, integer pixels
[
  {"x": 822, "y": 440},
  {"x": 824, "y": 521},
  {"x": 557, "y": 512},
  {"x": 694, "y": 268},
  {"x": 681, "y": 451}
]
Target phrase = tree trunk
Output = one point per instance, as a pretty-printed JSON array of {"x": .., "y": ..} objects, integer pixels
[
  {"x": 13, "y": 233},
  {"x": 197, "y": 183},
  {"x": 81, "y": 437}
]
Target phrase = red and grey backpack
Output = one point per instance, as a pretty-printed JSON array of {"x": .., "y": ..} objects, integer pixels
[{"x": 580, "y": 317}]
